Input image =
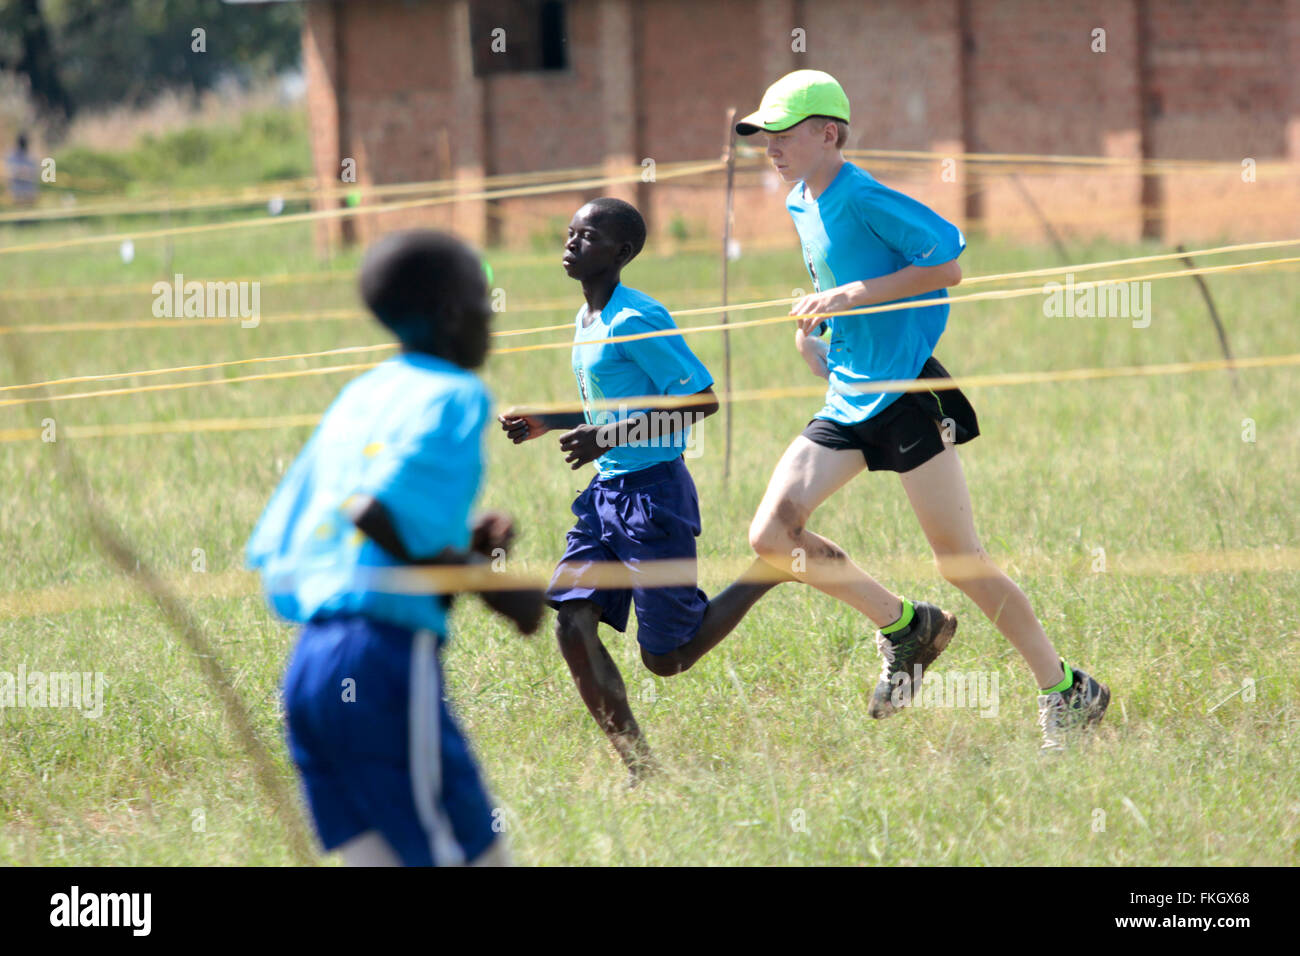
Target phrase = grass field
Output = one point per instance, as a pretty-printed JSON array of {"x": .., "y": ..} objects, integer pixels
[{"x": 769, "y": 755}]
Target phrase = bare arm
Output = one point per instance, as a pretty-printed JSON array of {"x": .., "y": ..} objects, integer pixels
[
  {"x": 673, "y": 420},
  {"x": 814, "y": 351},
  {"x": 521, "y": 425},
  {"x": 492, "y": 530},
  {"x": 906, "y": 282},
  {"x": 586, "y": 443}
]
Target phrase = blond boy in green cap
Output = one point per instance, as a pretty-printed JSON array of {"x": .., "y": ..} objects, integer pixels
[{"x": 865, "y": 244}]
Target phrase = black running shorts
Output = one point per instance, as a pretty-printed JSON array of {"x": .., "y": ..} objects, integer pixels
[{"x": 909, "y": 432}]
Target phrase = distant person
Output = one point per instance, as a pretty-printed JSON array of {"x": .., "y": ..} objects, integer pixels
[
  {"x": 388, "y": 480},
  {"x": 865, "y": 244},
  {"x": 22, "y": 173}
]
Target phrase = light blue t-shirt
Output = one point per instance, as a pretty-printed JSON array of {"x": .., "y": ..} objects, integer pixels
[
  {"x": 659, "y": 365},
  {"x": 859, "y": 230},
  {"x": 408, "y": 433}
]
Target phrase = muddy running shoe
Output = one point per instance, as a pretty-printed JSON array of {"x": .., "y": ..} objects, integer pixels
[
  {"x": 1065, "y": 714},
  {"x": 907, "y": 654}
]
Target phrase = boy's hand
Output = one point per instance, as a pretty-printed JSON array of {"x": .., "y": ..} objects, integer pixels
[
  {"x": 582, "y": 445},
  {"x": 814, "y": 351},
  {"x": 521, "y": 428},
  {"x": 523, "y": 607},
  {"x": 812, "y": 309},
  {"x": 492, "y": 530}
]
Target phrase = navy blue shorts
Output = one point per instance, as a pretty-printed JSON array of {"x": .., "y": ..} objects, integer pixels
[
  {"x": 651, "y": 514},
  {"x": 376, "y": 747}
]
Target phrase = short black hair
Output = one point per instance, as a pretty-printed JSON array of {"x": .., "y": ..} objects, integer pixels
[
  {"x": 628, "y": 226},
  {"x": 415, "y": 279}
]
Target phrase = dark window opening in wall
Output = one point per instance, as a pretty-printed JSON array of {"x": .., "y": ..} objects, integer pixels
[
  {"x": 518, "y": 36},
  {"x": 553, "y": 38}
]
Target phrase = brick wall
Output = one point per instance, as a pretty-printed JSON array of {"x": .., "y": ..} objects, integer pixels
[
  {"x": 1224, "y": 88},
  {"x": 653, "y": 78}
]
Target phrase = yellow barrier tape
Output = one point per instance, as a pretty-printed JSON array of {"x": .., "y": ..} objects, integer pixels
[
  {"x": 179, "y": 427},
  {"x": 259, "y": 195},
  {"x": 62, "y": 599},
  {"x": 353, "y": 211},
  {"x": 675, "y": 401},
  {"x": 1064, "y": 160},
  {"x": 636, "y": 402}
]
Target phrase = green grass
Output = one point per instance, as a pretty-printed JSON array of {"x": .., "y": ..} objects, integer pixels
[
  {"x": 770, "y": 729},
  {"x": 264, "y": 145}
]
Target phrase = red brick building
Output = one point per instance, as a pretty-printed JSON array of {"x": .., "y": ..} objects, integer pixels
[{"x": 416, "y": 91}]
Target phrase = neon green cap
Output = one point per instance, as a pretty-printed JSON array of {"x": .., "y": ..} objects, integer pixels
[{"x": 794, "y": 98}]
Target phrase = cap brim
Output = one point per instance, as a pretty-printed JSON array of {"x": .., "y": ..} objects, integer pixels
[{"x": 760, "y": 122}]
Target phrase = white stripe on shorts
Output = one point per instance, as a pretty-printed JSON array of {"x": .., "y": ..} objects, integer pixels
[{"x": 426, "y": 752}]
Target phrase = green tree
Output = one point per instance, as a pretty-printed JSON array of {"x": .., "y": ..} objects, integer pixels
[
  {"x": 87, "y": 53},
  {"x": 26, "y": 48}
]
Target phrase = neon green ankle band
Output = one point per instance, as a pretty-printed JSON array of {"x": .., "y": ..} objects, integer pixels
[
  {"x": 904, "y": 619},
  {"x": 1066, "y": 683}
]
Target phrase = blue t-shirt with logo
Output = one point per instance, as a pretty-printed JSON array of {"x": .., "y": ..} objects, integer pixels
[
  {"x": 407, "y": 433},
  {"x": 859, "y": 230},
  {"x": 658, "y": 365}
]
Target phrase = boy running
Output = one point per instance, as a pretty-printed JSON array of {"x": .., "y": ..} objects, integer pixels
[
  {"x": 641, "y": 505},
  {"x": 388, "y": 479},
  {"x": 865, "y": 244}
]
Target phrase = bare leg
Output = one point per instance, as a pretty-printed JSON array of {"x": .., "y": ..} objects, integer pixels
[
  {"x": 495, "y": 855},
  {"x": 807, "y": 475},
  {"x": 369, "y": 849},
  {"x": 726, "y": 609},
  {"x": 599, "y": 682},
  {"x": 938, "y": 493}
]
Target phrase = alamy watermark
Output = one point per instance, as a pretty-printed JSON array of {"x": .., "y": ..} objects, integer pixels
[
  {"x": 128, "y": 910},
  {"x": 1124, "y": 300},
  {"x": 83, "y": 690},
  {"x": 656, "y": 429},
  {"x": 973, "y": 689},
  {"x": 180, "y": 299}
]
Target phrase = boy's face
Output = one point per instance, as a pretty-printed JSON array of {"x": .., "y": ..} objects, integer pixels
[
  {"x": 590, "y": 249},
  {"x": 797, "y": 151}
]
